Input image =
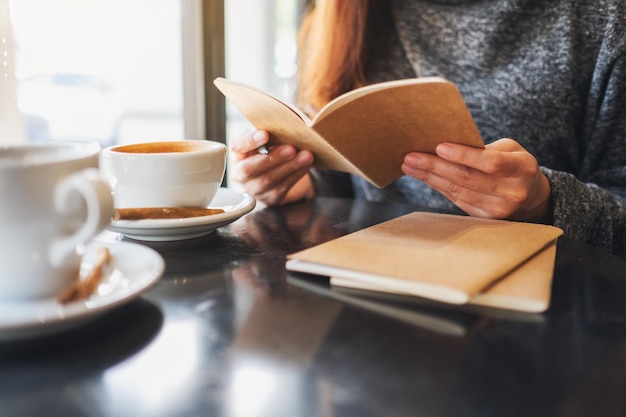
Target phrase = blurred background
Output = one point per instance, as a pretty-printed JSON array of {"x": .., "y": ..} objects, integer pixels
[{"x": 119, "y": 71}]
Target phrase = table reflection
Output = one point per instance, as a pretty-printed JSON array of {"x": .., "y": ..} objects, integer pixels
[
  {"x": 227, "y": 331},
  {"x": 165, "y": 387}
]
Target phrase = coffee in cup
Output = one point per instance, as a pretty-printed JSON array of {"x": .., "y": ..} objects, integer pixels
[
  {"x": 54, "y": 201},
  {"x": 183, "y": 173}
]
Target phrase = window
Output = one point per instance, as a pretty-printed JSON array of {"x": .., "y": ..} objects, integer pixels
[
  {"x": 261, "y": 40},
  {"x": 104, "y": 70},
  {"x": 119, "y": 71}
]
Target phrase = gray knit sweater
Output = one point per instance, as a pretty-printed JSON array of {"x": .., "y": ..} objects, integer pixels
[{"x": 550, "y": 74}]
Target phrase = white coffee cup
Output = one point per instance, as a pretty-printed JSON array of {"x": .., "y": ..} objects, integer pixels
[
  {"x": 183, "y": 173},
  {"x": 53, "y": 202}
]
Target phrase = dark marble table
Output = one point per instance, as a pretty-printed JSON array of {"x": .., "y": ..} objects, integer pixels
[{"x": 229, "y": 332}]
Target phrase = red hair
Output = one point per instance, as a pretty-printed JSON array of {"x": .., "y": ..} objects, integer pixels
[{"x": 333, "y": 49}]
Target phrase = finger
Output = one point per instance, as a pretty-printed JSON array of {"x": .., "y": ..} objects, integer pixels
[
  {"x": 505, "y": 145},
  {"x": 433, "y": 170},
  {"x": 279, "y": 190},
  {"x": 473, "y": 202},
  {"x": 450, "y": 178},
  {"x": 474, "y": 211},
  {"x": 281, "y": 178},
  {"x": 453, "y": 190},
  {"x": 259, "y": 165},
  {"x": 249, "y": 142},
  {"x": 504, "y": 158},
  {"x": 268, "y": 175},
  {"x": 256, "y": 165}
]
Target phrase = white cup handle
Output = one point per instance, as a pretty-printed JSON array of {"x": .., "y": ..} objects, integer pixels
[{"x": 99, "y": 201}]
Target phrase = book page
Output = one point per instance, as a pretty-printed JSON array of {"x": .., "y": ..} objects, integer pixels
[
  {"x": 232, "y": 90},
  {"x": 378, "y": 126},
  {"x": 355, "y": 94},
  {"x": 368, "y": 131},
  {"x": 284, "y": 123}
]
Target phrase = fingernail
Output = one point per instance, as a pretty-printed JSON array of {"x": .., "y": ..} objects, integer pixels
[
  {"x": 304, "y": 158},
  {"x": 413, "y": 159},
  {"x": 287, "y": 152},
  {"x": 444, "y": 149},
  {"x": 258, "y": 136}
]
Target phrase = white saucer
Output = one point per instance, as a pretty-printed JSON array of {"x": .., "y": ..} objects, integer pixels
[
  {"x": 133, "y": 269},
  {"x": 234, "y": 203}
]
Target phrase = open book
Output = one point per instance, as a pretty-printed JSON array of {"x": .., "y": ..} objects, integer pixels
[
  {"x": 448, "y": 258},
  {"x": 367, "y": 131}
]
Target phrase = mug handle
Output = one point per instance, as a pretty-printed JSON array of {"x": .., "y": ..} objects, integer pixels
[{"x": 99, "y": 201}]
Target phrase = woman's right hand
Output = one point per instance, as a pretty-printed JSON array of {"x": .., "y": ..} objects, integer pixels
[{"x": 279, "y": 177}]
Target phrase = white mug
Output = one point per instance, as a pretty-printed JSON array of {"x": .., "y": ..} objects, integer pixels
[
  {"x": 183, "y": 173},
  {"x": 53, "y": 202}
]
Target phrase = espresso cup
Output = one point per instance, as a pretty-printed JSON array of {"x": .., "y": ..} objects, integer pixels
[
  {"x": 183, "y": 173},
  {"x": 54, "y": 201}
]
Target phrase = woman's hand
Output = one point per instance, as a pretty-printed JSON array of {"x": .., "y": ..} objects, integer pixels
[
  {"x": 502, "y": 181},
  {"x": 275, "y": 178}
]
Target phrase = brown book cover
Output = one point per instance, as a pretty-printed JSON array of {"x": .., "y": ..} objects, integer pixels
[
  {"x": 367, "y": 131},
  {"x": 527, "y": 288},
  {"x": 454, "y": 259}
]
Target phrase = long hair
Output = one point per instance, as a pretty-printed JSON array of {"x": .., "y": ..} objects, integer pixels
[{"x": 333, "y": 44}]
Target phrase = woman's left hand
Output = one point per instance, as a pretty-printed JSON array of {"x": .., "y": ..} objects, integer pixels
[{"x": 502, "y": 181}]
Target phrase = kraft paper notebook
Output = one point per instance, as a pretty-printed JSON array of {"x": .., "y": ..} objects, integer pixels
[
  {"x": 453, "y": 259},
  {"x": 367, "y": 131},
  {"x": 527, "y": 288}
]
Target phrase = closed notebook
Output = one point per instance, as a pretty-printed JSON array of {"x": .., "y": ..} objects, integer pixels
[
  {"x": 527, "y": 288},
  {"x": 454, "y": 259}
]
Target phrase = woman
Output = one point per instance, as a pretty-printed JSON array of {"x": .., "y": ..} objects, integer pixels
[{"x": 549, "y": 73}]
